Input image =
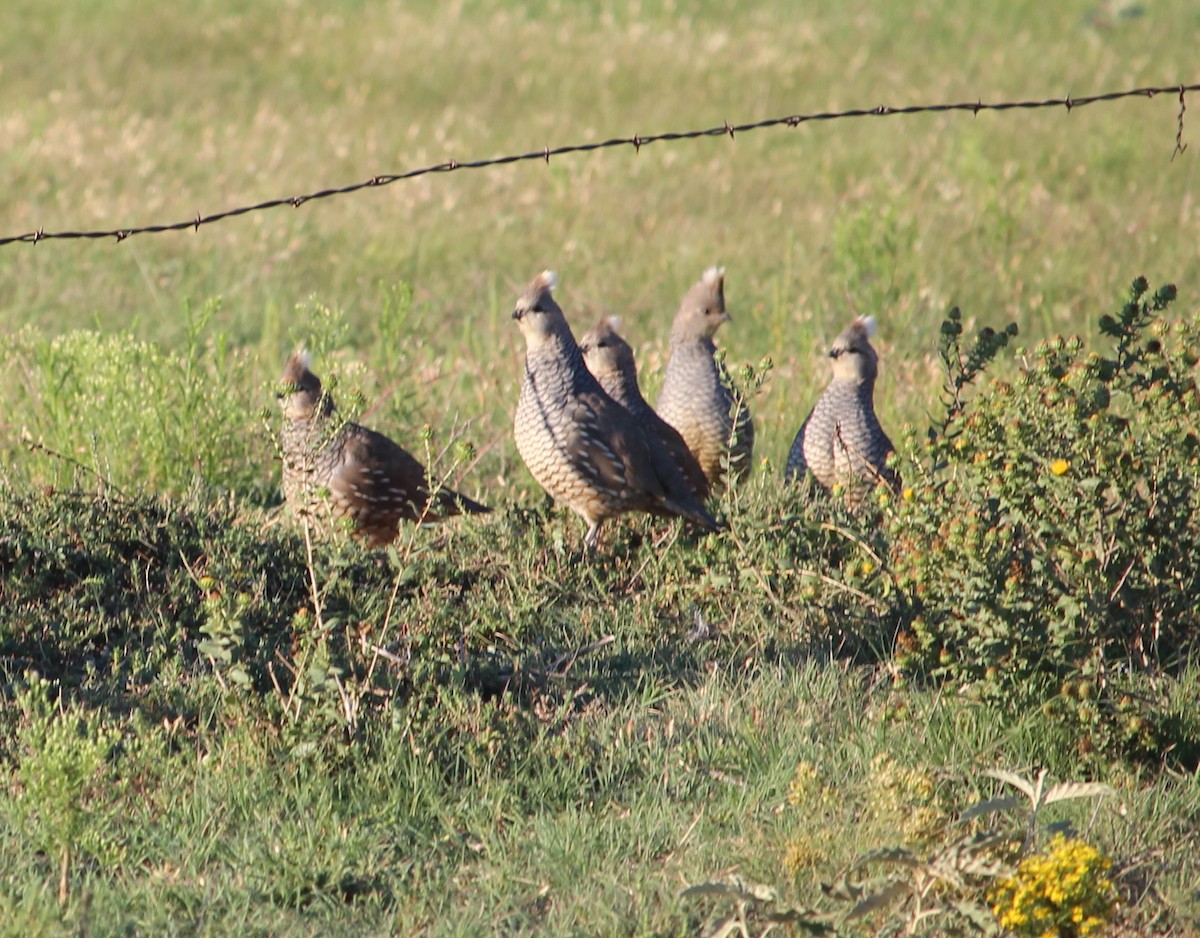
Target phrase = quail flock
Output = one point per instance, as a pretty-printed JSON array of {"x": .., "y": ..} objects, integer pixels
[
  {"x": 585, "y": 431},
  {"x": 336, "y": 468}
]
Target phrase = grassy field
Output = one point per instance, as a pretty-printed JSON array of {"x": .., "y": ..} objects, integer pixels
[{"x": 214, "y": 745}]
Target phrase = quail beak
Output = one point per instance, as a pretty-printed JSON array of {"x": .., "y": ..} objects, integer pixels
[{"x": 516, "y": 313}]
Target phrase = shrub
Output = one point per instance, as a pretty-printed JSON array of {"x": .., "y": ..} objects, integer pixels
[
  {"x": 136, "y": 415},
  {"x": 65, "y": 779},
  {"x": 1049, "y": 547}
]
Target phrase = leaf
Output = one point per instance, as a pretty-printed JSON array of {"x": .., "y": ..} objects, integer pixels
[
  {"x": 896, "y": 855},
  {"x": 986, "y": 866},
  {"x": 878, "y": 900},
  {"x": 978, "y": 915},
  {"x": 1012, "y": 778},
  {"x": 756, "y": 894},
  {"x": 1068, "y": 790},
  {"x": 215, "y": 650},
  {"x": 969, "y": 856},
  {"x": 843, "y": 888},
  {"x": 731, "y": 889},
  {"x": 240, "y": 676}
]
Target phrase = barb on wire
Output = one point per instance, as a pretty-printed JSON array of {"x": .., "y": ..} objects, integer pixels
[
  {"x": 1180, "y": 146},
  {"x": 637, "y": 141}
]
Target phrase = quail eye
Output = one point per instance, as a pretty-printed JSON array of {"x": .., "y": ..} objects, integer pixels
[{"x": 538, "y": 308}]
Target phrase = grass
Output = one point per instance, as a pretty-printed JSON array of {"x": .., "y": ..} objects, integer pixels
[
  {"x": 498, "y": 782},
  {"x": 486, "y": 779}
]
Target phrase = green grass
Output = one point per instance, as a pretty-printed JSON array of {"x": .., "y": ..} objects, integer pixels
[
  {"x": 491, "y": 779},
  {"x": 150, "y": 578}
]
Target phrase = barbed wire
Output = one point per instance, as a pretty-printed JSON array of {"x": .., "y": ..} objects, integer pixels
[{"x": 637, "y": 141}]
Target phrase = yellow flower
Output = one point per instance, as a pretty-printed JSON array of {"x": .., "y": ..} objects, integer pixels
[
  {"x": 1065, "y": 890},
  {"x": 1059, "y": 466},
  {"x": 907, "y": 799},
  {"x": 806, "y": 783},
  {"x": 802, "y": 855}
]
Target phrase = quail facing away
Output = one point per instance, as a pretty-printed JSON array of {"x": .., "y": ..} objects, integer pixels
[
  {"x": 610, "y": 359},
  {"x": 334, "y": 467},
  {"x": 580, "y": 445},
  {"x": 715, "y": 424},
  {"x": 841, "y": 439}
]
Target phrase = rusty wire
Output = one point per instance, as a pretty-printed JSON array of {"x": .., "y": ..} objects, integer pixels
[{"x": 637, "y": 141}]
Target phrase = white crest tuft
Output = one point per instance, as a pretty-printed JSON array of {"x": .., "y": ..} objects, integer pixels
[
  {"x": 614, "y": 323},
  {"x": 548, "y": 279},
  {"x": 714, "y": 276},
  {"x": 869, "y": 325},
  {"x": 304, "y": 358}
]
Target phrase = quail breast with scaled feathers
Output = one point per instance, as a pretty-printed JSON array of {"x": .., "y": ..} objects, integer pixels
[
  {"x": 333, "y": 468},
  {"x": 610, "y": 359},
  {"x": 841, "y": 440},
  {"x": 696, "y": 398},
  {"x": 580, "y": 445}
]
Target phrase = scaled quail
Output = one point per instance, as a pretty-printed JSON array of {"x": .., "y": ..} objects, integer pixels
[
  {"x": 695, "y": 397},
  {"x": 610, "y": 359},
  {"x": 335, "y": 467},
  {"x": 841, "y": 439},
  {"x": 580, "y": 445}
]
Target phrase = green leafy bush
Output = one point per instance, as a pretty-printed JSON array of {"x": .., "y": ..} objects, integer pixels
[
  {"x": 65, "y": 779},
  {"x": 134, "y": 414},
  {"x": 1050, "y": 545}
]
